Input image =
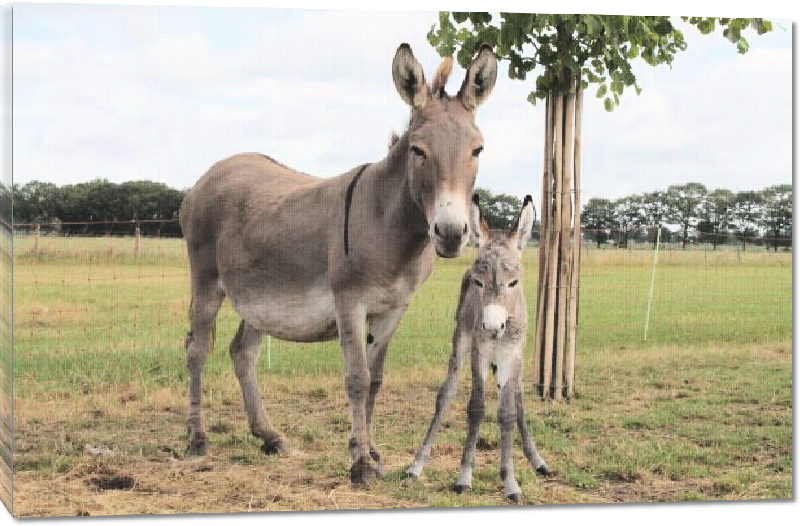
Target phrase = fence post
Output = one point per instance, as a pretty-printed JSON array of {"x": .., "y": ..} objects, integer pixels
[
  {"x": 36, "y": 240},
  {"x": 137, "y": 236},
  {"x": 109, "y": 245}
]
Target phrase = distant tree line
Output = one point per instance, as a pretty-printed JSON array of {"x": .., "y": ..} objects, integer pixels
[
  {"x": 685, "y": 214},
  {"x": 99, "y": 207},
  {"x": 5, "y": 206},
  {"x": 690, "y": 213}
]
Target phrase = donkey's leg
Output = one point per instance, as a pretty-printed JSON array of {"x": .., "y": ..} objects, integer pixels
[
  {"x": 475, "y": 412},
  {"x": 506, "y": 418},
  {"x": 350, "y": 323},
  {"x": 528, "y": 446},
  {"x": 381, "y": 330},
  {"x": 245, "y": 348},
  {"x": 461, "y": 342},
  {"x": 206, "y": 301}
]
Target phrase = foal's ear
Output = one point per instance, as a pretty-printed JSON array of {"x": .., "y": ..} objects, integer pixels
[
  {"x": 409, "y": 78},
  {"x": 480, "y": 79},
  {"x": 477, "y": 223},
  {"x": 523, "y": 225}
]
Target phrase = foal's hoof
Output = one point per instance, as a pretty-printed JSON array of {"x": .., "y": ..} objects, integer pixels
[
  {"x": 363, "y": 471},
  {"x": 516, "y": 498},
  {"x": 545, "y": 471},
  {"x": 411, "y": 474},
  {"x": 462, "y": 488},
  {"x": 275, "y": 446}
]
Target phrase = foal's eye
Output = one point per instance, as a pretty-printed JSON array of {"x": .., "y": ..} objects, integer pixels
[
  {"x": 513, "y": 283},
  {"x": 477, "y": 282},
  {"x": 477, "y": 151},
  {"x": 419, "y": 151}
]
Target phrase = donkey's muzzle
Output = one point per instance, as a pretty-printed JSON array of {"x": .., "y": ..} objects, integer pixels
[
  {"x": 449, "y": 239},
  {"x": 495, "y": 320}
]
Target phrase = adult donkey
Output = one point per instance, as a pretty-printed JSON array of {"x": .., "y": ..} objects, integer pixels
[{"x": 308, "y": 259}]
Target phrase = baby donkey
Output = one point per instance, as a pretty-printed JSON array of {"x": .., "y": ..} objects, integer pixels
[{"x": 491, "y": 321}]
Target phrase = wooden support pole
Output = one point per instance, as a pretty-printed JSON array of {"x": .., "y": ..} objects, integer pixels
[
  {"x": 137, "y": 238},
  {"x": 576, "y": 236},
  {"x": 544, "y": 238}
]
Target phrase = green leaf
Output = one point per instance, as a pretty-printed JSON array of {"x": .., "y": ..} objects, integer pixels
[
  {"x": 742, "y": 46},
  {"x": 663, "y": 27},
  {"x": 609, "y": 105},
  {"x": 592, "y": 25},
  {"x": 601, "y": 91}
]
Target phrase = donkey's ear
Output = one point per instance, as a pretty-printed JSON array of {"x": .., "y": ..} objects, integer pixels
[
  {"x": 477, "y": 223},
  {"x": 523, "y": 225},
  {"x": 442, "y": 74},
  {"x": 480, "y": 79},
  {"x": 409, "y": 78}
]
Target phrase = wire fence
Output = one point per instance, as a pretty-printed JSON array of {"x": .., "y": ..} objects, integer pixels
[{"x": 112, "y": 306}]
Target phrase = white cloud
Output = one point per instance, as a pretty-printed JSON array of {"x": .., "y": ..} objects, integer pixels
[{"x": 166, "y": 92}]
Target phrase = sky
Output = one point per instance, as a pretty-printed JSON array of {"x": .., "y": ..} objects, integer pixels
[{"x": 162, "y": 93}]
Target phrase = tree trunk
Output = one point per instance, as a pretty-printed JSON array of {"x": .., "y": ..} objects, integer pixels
[{"x": 559, "y": 259}]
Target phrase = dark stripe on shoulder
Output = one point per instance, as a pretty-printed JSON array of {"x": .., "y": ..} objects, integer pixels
[{"x": 347, "y": 202}]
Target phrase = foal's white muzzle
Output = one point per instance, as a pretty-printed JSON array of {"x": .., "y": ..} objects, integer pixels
[{"x": 495, "y": 318}]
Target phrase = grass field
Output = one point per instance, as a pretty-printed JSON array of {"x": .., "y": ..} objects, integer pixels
[
  {"x": 6, "y": 316},
  {"x": 702, "y": 410}
]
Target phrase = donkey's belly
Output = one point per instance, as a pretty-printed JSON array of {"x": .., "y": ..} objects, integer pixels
[{"x": 307, "y": 317}]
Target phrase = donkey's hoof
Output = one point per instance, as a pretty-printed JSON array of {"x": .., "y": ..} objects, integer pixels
[
  {"x": 197, "y": 445},
  {"x": 516, "y": 498},
  {"x": 363, "y": 471},
  {"x": 462, "y": 488},
  {"x": 374, "y": 454},
  {"x": 544, "y": 471},
  {"x": 276, "y": 446}
]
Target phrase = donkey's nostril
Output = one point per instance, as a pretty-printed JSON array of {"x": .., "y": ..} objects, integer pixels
[
  {"x": 502, "y": 325},
  {"x": 436, "y": 230},
  {"x": 465, "y": 228}
]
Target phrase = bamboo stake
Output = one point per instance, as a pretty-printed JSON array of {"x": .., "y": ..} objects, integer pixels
[
  {"x": 652, "y": 284},
  {"x": 564, "y": 247},
  {"x": 576, "y": 255},
  {"x": 551, "y": 283},
  {"x": 544, "y": 228}
]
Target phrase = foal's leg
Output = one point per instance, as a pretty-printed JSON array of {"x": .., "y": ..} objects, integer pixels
[
  {"x": 506, "y": 418},
  {"x": 381, "y": 330},
  {"x": 528, "y": 446},
  {"x": 245, "y": 348},
  {"x": 475, "y": 412},
  {"x": 461, "y": 342},
  {"x": 351, "y": 320},
  {"x": 206, "y": 301}
]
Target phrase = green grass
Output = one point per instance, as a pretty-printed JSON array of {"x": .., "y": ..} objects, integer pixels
[
  {"x": 700, "y": 411},
  {"x": 84, "y": 321}
]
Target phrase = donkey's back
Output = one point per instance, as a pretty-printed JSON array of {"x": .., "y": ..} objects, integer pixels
[{"x": 234, "y": 190}]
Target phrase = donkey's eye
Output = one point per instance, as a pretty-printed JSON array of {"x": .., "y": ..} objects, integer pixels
[
  {"x": 477, "y": 151},
  {"x": 419, "y": 151},
  {"x": 477, "y": 282},
  {"x": 513, "y": 283}
]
